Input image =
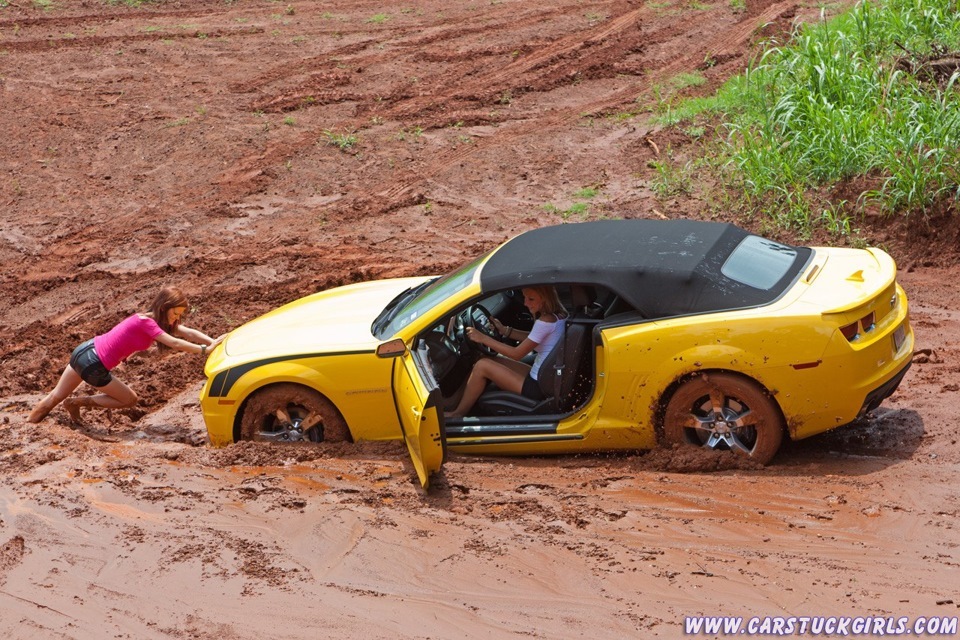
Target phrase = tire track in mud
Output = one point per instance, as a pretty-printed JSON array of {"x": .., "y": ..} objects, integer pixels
[
  {"x": 492, "y": 83},
  {"x": 724, "y": 43},
  {"x": 144, "y": 11},
  {"x": 398, "y": 39},
  {"x": 487, "y": 84},
  {"x": 557, "y": 57},
  {"x": 54, "y": 24},
  {"x": 554, "y": 64},
  {"x": 60, "y": 21},
  {"x": 50, "y": 45}
]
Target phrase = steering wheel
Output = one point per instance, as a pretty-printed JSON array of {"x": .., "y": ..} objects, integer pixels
[
  {"x": 442, "y": 353},
  {"x": 479, "y": 318}
]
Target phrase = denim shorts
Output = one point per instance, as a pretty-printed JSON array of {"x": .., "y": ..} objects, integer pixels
[
  {"x": 86, "y": 362},
  {"x": 531, "y": 389}
]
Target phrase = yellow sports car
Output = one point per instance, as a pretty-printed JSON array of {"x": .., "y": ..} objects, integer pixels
[{"x": 669, "y": 332}]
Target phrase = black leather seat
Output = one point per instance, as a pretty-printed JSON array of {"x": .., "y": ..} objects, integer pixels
[
  {"x": 584, "y": 300},
  {"x": 558, "y": 376}
]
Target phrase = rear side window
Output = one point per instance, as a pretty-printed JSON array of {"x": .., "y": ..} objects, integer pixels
[{"x": 758, "y": 262}]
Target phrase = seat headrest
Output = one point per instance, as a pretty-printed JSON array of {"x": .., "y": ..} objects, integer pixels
[{"x": 582, "y": 296}]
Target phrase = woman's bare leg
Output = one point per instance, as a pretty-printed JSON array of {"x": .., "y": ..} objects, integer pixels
[
  {"x": 114, "y": 395},
  {"x": 520, "y": 367},
  {"x": 69, "y": 381},
  {"x": 453, "y": 401},
  {"x": 499, "y": 373}
]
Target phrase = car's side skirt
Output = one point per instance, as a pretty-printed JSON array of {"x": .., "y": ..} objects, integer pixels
[
  {"x": 487, "y": 434},
  {"x": 485, "y": 441}
]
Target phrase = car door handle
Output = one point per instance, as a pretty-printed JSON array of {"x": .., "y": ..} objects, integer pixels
[{"x": 415, "y": 411}]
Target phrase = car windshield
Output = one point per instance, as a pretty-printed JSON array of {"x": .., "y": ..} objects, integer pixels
[{"x": 413, "y": 303}]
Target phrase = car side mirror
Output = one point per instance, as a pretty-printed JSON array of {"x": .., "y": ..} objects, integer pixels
[{"x": 391, "y": 349}]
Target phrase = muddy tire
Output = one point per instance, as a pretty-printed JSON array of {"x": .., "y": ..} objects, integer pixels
[
  {"x": 725, "y": 412},
  {"x": 291, "y": 413}
]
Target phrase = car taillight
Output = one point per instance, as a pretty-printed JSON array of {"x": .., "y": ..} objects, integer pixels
[
  {"x": 866, "y": 324},
  {"x": 851, "y": 331}
]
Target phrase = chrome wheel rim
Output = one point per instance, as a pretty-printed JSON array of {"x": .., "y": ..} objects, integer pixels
[
  {"x": 289, "y": 425},
  {"x": 720, "y": 422}
]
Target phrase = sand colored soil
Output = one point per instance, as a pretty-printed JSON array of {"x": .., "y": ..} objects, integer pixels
[{"x": 254, "y": 151}]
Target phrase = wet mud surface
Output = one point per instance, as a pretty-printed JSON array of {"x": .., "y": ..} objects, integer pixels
[{"x": 253, "y": 152}]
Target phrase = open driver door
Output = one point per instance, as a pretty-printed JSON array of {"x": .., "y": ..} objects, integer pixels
[{"x": 420, "y": 410}]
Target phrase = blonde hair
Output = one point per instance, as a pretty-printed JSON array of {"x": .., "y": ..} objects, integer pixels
[{"x": 551, "y": 301}]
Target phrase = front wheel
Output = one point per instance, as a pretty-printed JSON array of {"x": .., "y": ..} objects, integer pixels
[
  {"x": 291, "y": 413},
  {"x": 726, "y": 412}
]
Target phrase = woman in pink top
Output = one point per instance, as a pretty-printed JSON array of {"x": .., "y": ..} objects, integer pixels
[{"x": 92, "y": 361}]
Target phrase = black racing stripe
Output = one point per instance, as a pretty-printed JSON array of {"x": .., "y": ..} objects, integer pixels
[
  {"x": 224, "y": 381},
  {"x": 216, "y": 387}
]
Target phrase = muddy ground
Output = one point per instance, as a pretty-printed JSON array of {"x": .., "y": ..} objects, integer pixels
[{"x": 255, "y": 151}]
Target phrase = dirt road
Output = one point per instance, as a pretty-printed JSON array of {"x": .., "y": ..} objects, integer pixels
[{"x": 255, "y": 151}]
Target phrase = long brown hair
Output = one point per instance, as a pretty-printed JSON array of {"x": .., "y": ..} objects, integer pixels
[
  {"x": 168, "y": 298},
  {"x": 551, "y": 301}
]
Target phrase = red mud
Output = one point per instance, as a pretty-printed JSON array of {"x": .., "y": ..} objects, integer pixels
[{"x": 194, "y": 143}]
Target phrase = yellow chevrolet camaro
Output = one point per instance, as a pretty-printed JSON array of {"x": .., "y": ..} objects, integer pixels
[{"x": 677, "y": 332}]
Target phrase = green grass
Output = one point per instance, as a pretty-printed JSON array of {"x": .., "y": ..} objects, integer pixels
[
  {"x": 683, "y": 80},
  {"x": 669, "y": 178},
  {"x": 587, "y": 193},
  {"x": 342, "y": 141},
  {"x": 580, "y": 209},
  {"x": 412, "y": 133},
  {"x": 670, "y": 109},
  {"x": 843, "y": 99}
]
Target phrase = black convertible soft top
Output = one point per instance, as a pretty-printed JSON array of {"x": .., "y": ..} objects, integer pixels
[{"x": 660, "y": 267}]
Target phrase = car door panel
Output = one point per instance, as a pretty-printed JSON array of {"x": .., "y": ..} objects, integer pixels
[{"x": 420, "y": 411}]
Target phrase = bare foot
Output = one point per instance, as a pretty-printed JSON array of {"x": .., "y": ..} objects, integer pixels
[
  {"x": 41, "y": 410},
  {"x": 72, "y": 405}
]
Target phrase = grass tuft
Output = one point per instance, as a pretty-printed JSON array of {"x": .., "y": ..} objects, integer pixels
[{"x": 342, "y": 141}]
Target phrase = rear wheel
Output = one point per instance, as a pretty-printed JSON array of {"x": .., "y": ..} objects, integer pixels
[
  {"x": 291, "y": 413},
  {"x": 725, "y": 412}
]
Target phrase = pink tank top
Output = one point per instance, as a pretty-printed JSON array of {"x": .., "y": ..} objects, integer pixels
[{"x": 135, "y": 333}]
